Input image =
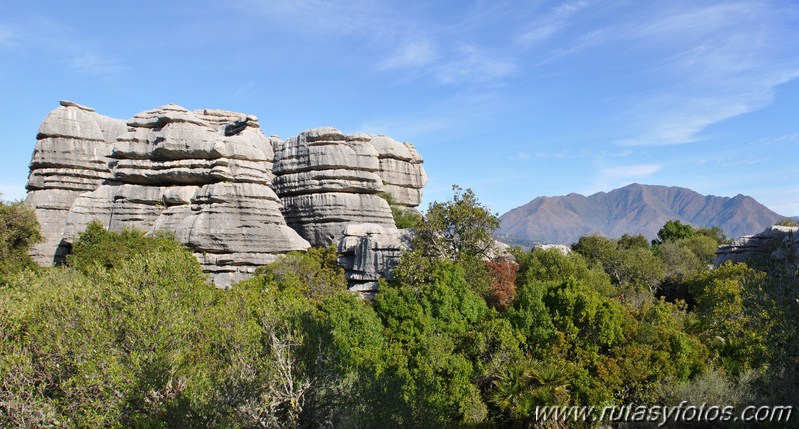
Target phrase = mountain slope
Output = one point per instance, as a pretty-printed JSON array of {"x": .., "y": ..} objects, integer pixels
[{"x": 633, "y": 209}]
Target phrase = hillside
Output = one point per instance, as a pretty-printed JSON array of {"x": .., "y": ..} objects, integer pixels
[{"x": 633, "y": 209}]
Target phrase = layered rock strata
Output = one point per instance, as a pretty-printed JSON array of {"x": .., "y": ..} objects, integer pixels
[
  {"x": 70, "y": 158},
  {"x": 204, "y": 176},
  {"x": 207, "y": 177},
  {"x": 776, "y": 244},
  {"x": 400, "y": 169},
  {"x": 370, "y": 252},
  {"x": 327, "y": 180}
]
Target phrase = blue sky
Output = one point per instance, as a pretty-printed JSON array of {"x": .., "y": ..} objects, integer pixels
[{"x": 514, "y": 99}]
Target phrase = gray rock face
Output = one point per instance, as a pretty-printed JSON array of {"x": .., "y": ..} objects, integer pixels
[
  {"x": 776, "y": 243},
  {"x": 327, "y": 180},
  {"x": 204, "y": 176},
  {"x": 207, "y": 176},
  {"x": 70, "y": 158},
  {"x": 400, "y": 169},
  {"x": 562, "y": 248},
  {"x": 370, "y": 252}
]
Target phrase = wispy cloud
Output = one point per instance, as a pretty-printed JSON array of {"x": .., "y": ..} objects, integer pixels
[
  {"x": 6, "y": 36},
  {"x": 585, "y": 41},
  {"x": 550, "y": 24},
  {"x": 409, "y": 126},
  {"x": 414, "y": 54},
  {"x": 718, "y": 62},
  {"x": 451, "y": 119},
  {"x": 243, "y": 92},
  {"x": 395, "y": 38},
  {"x": 630, "y": 171},
  {"x": 789, "y": 139},
  {"x": 672, "y": 119},
  {"x": 472, "y": 64},
  {"x": 43, "y": 36},
  {"x": 317, "y": 16},
  {"x": 519, "y": 156},
  {"x": 565, "y": 153},
  {"x": 93, "y": 63},
  {"x": 466, "y": 64},
  {"x": 614, "y": 177}
]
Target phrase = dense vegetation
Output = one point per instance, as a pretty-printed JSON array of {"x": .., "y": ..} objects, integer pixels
[{"x": 131, "y": 334}]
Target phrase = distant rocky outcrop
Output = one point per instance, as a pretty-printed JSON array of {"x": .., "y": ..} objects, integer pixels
[
  {"x": 561, "y": 248},
  {"x": 633, "y": 209},
  {"x": 207, "y": 176},
  {"x": 776, "y": 244}
]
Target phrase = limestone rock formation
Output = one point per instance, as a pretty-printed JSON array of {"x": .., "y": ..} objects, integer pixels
[
  {"x": 327, "y": 180},
  {"x": 400, "y": 169},
  {"x": 70, "y": 158},
  {"x": 562, "y": 248},
  {"x": 204, "y": 175},
  {"x": 207, "y": 176},
  {"x": 775, "y": 244},
  {"x": 370, "y": 252}
]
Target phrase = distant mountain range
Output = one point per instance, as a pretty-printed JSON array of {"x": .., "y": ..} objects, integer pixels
[{"x": 633, "y": 209}]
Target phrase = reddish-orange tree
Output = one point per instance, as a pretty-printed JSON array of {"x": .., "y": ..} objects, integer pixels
[{"x": 503, "y": 284}]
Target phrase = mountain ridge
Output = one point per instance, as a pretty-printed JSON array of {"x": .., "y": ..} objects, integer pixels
[{"x": 632, "y": 209}]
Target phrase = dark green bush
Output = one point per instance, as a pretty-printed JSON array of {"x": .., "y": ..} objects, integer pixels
[
  {"x": 141, "y": 339},
  {"x": 131, "y": 334},
  {"x": 404, "y": 217},
  {"x": 19, "y": 230}
]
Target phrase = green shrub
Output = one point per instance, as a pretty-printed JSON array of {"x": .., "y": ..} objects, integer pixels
[
  {"x": 19, "y": 230},
  {"x": 97, "y": 247},
  {"x": 315, "y": 273},
  {"x": 119, "y": 347},
  {"x": 143, "y": 340},
  {"x": 431, "y": 355},
  {"x": 404, "y": 217}
]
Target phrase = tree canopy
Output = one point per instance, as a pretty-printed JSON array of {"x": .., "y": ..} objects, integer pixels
[
  {"x": 456, "y": 228},
  {"x": 130, "y": 333}
]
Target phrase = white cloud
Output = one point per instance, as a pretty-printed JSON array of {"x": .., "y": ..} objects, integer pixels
[
  {"x": 789, "y": 139},
  {"x": 408, "y": 126},
  {"x": 564, "y": 153},
  {"x": 317, "y": 16},
  {"x": 471, "y": 64},
  {"x": 243, "y": 92},
  {"x": 413, "y": 54},
  {"x": 547, "y": 26},
  {"x": 630, "y": 172},
  {"x": 449, "y": 118},
  {"x": 718, "y": 62},
  {"x": 50, "y": 38},
  {"x": 6, "y": 36},
  {"x": 402, "y": 38},
  {"x": 615, "y": 177},
  {"x": 466, "y": 64},
  {"x": 92, "y": 63},
  {"x": 584, "y": 42},
  {"x": 680, "y": 119}
]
